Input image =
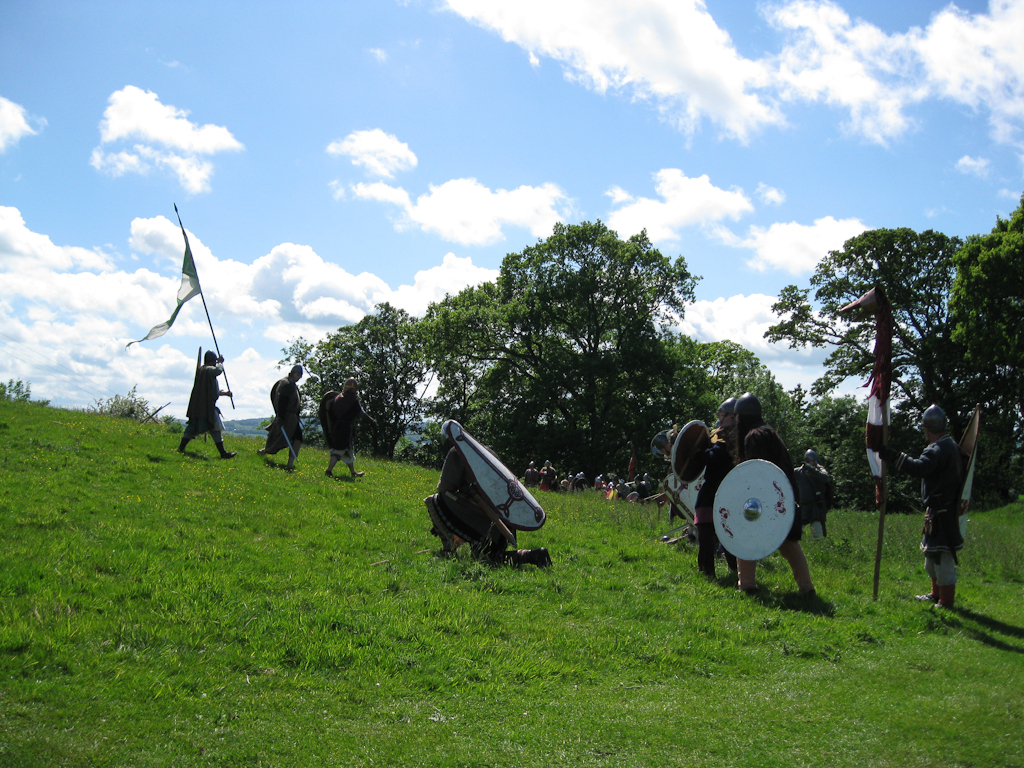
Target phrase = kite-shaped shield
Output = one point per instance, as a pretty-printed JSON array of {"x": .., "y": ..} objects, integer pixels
[
  {"x": 691, "y": 440},
  {"x": 684, "y": 495},
  {"x": 754, "y": 509},
  {"x": 499, "y": 488},
  {"x": 969, "y": 450}
]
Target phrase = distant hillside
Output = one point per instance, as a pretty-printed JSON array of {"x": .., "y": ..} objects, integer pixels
[{"x": 245, "y": 427}]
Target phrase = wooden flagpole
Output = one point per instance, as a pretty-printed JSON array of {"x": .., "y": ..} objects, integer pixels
[{"x": 203, "y": 297}]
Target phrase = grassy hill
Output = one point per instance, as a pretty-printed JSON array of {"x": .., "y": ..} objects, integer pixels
[{"x": 168, "y": 610}]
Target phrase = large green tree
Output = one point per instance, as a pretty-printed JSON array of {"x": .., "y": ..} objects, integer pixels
[
  {"x": 384, "y": 352},
  {"x": 930, "y": 362},
  {"x": 568, "y": 355},
  {"x": 988, "y": 308}
]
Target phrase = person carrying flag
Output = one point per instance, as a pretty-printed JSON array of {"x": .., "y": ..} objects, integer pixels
[{"x": 203, "y": 413}]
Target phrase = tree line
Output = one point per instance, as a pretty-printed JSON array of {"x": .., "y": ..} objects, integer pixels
[{"x": 571, "y": 355}]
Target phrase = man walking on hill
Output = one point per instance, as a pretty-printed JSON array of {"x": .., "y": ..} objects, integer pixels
[
  {"x": 285, "y": 431},
  {"x": 941, "y": 470},
  {"x": 203, "y": 413},
  {"x": 338, "y": 415}
]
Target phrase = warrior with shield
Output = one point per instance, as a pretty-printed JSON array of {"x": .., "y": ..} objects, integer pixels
[
  {"x": 941, "y": 470},
  {"x": 480, "y": 502},
  {"x": 754, "y": 439},
  {"x": 285, "y": 431},
  {"x": 338, "y": 415},
  {"x": 714, "y": 461}
]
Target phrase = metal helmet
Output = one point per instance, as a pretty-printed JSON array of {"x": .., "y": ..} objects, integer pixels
[
  {"x": 728, "y": 406},
  {"x": 934, "y": 419},
  {"x": 811, "y": 455},
  {"x": 210, "y": 358},
  {"x": 661, "y": 445},
  {"x": 748, "y": 405}
]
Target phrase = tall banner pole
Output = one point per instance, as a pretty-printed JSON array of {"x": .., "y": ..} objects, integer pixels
[
  {"x": 876, "y": 433},
  {"x": 203, "y": 297}
]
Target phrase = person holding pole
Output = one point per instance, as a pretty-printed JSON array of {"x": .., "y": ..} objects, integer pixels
[
  {"x": 203, "y": 413},
  {"x": 285, "y": 431},
  {"x": 940, "y": 468}
]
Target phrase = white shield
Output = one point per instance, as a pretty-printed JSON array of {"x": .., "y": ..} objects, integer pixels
[
  {"x": 754, "y": 509},
  {"x": 684, "y": 494},
  {"x": 507, "y": 497}
]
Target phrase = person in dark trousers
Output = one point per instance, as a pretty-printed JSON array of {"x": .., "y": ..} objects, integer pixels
[
  {"x": 338, "y": 415},
  {"x": 815, "y": 494},
  {"x": 941, "y": 470},
  {"x": 715, "y": 462},
  {"x": 203, "y": 413}
]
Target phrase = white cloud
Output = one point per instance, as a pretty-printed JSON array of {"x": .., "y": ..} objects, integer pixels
[
  {"x": 465, "y": 211},
  {"x": 792, "y": 247},
  {"x": 744, "y": 320},
  {"x": 673, "y": 54},
  {"x": 670, "y": 52},
  {"x": 976, "y": 166},
  {"x": 685, "y": 202},
  {"x": 979, "y": 61},
  {"x": 379, "y": 54},
  {"x": 13, "y": 124},
  {"x": 770, "y": 195},
  {"x": 136, "y": 114},
  {"x": 381, "y": 154},
  {"x": 80, "y": 320}
]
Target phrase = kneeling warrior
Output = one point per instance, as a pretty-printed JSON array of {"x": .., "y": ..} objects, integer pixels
[{"x": 460, "y": 513}]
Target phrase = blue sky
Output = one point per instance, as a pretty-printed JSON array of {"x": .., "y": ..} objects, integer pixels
[{"x": 333, "y": 155}]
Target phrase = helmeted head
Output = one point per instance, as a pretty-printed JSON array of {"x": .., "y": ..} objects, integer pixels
[
  {"x": 748, "y": 405},
  {"x": 295, "y": 373},
  {"x": 725, "y": 410},
  {"x": 533, "y": 464},
  {"x": 351, "y": 385},
  {"x": 661, "y": 445},
  {"x": 934, "y": 419},
  {"x": 811, "y": 456},
  {"x": 210, "y": 358}
]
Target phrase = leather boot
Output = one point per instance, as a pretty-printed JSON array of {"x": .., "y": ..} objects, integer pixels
[
  {"x": 225, "y": 454},
  {"x": 181, "y": 446},
  {"x": 947, "y": 595}
]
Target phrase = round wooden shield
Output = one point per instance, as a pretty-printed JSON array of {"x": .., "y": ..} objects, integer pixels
[
  {"x": 754, "y": 509},
  {"x": 684, "y": 495},
  {"x": 691, "y": 440}
]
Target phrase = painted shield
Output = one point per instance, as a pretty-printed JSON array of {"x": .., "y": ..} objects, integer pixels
[
  {"x": 684, "y": 495},
  {"x": 691, "y": 440},
  {"x": 754, "y": 509},
  {"x": 501, "y": 489},
  {"x": 969, "y": 450}
]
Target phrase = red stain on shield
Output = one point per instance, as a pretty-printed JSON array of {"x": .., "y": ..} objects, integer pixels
[{"x": 723, "y": 515}]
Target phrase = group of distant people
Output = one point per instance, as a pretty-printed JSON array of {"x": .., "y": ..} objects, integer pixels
[
  {"x": 338, "y": 414},
  {"x": 458, "y": 514}
]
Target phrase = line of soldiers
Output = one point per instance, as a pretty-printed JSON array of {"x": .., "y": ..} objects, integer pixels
[{"x": 338, "y": 414}]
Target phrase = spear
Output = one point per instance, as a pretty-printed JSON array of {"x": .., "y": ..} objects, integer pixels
[{"x": 876, "y": 434}]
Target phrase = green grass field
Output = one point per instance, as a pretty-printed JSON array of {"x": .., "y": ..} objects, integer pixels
[{"x": 168, "y": 610}]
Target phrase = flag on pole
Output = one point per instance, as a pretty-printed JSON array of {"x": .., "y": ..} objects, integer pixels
[
  {"x": 188, "y": 289},
  {"x": 631, "y": 471},
  {"x": 880, "y": 381}
]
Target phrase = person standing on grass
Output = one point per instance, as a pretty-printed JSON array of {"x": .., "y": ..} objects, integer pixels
[
  {"x": 203, "y": 413},
  {"x": 941, "y": 470},
  {"x": 754, "y": 439},
  {"x": 458, "y": 517},
  {"x": 715, "y": 462},
  {"x": 338, "y": 416},
  {"x": 285, "y": 428},
  {"x": 815, "y": 499}
]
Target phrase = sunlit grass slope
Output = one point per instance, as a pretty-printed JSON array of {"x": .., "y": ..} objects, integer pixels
[{"x": 161, "y": 610}]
